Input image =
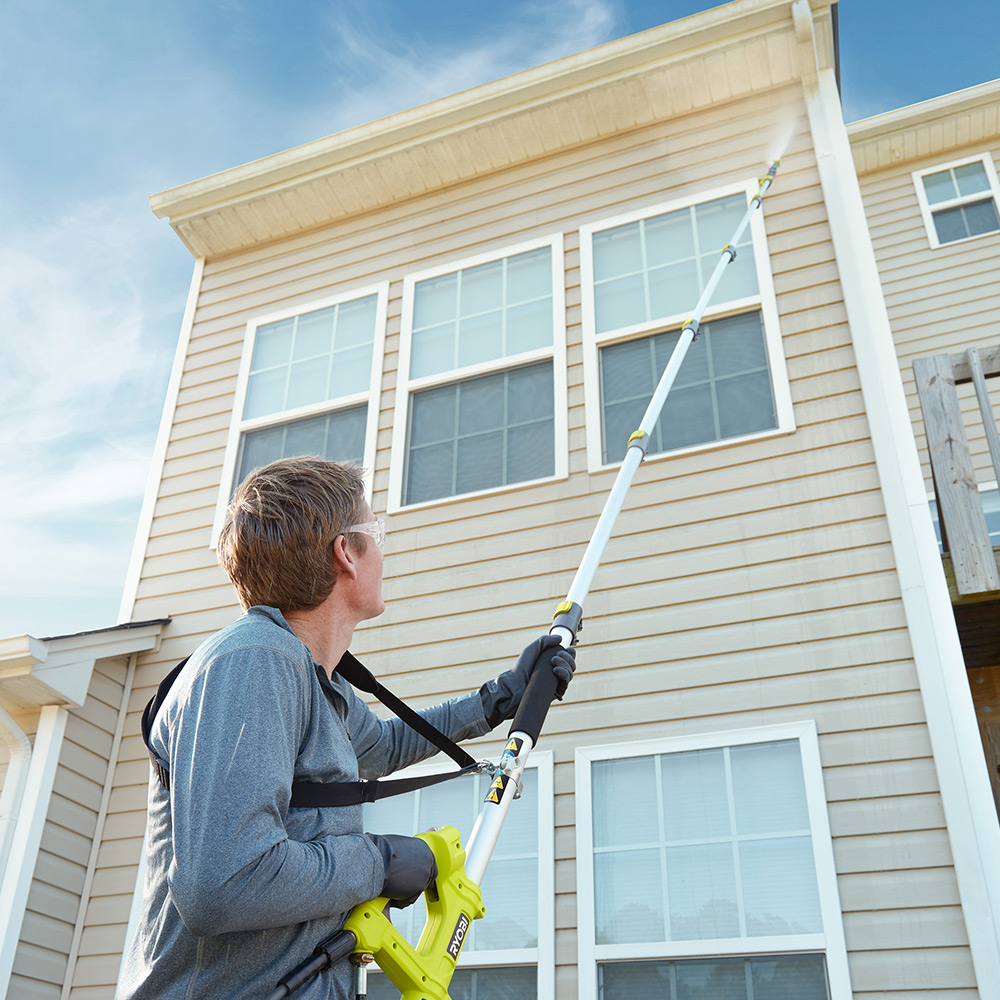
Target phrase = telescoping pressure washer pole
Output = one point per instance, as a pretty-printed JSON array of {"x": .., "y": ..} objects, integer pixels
[
  {"x": 424, "y": 973},
  {"x": 528, "y": 721}
]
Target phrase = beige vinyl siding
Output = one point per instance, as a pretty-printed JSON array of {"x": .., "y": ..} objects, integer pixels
[
  {"x": 73, "y": 821},
  {"x": 940, "y": 301},
  {"x": 745, "y": 585}
]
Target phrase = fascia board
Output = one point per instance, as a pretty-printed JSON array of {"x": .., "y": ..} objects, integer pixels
[
  {"x": 671, "y": 42},
  {"x": 57, "y": 671}
]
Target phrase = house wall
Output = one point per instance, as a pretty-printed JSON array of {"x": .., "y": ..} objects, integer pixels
[
  {"x": 745, "y": 585},
  {"x": 942, "y": 300},
  {"x": 72, "y": 823}
]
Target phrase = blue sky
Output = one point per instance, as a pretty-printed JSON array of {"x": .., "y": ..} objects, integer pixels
[{"x": 106, "y": 103}]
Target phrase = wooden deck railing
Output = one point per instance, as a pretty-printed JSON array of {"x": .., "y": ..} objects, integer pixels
[{"x": 960, "y": 511}]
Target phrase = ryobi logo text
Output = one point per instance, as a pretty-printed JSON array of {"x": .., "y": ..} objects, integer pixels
[{"x": 458, "y": 936}]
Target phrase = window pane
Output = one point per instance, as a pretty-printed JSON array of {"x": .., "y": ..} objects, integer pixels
[
  {"x": 504, "y": 434},
  {"x": 779, "y": 887},
  {"x": 480, "y": 338},
  {"x": 939, "y": 186},
  {"x": 530, "y": 451},
  {"x": 669, "y": 238},
  {"x": 481, "y": 405},
  {"x": 510, "y": 889},
  {"x": 698, "y": 780},
  {"x": 307, "y": 383},
  {"x": 619, "y": 303},
  {"x": 435, "y": 301},
  {"x": 433, "y": 416},
  {"x": 717, "y": 221},
  {"x": 429, "y": 472},
  {"x": 318, "y": 356},
  {"x": 505, "y": 983},
  {"x": 481, "y": 288},
  {"x": 781, "y": 977},
  {"x": 718, "y": 978},
  {"x": 480, "y": 462},
  {"x": 356, "y": 322},
  {"x": 739, "y": 277},
  {"x": 501, "y": 983},
  {"x": 768, "y": 788},
  {"x": 529, "y": 326},
  {"x": 529, "y": 275},
  {"x": 502, "y": 308},
  {"x": 314, "y": 334},
  {"x": 673, "y": 289},
  {"x": 981, "y": 217},
  {"x": 265, "y": 393},
  {"x": 624, "y": 797},
  {"x": 432, "y": 350},
  {"x": 617, "y": 251},
  {"x": 337, "y": 437},
  {"x": 628, "y": 891},
  {"x": 272, "y": 345},
  {"x": 971, "y": 178},
  {"x": 706, "y": 403},
  {"x": 701, "y": 886}
]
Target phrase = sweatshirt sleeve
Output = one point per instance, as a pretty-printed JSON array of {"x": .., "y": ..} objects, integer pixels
[
  {"x": 386, "y": 745},
  {"x": 232, "y": 758}
]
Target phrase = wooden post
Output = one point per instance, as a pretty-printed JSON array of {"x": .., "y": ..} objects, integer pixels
[{"x": 958, "y": 496}]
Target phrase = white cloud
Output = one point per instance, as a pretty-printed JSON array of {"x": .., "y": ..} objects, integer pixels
[
  {"x": 81, "y": 384},
  {"x": 389, "y": 71}
]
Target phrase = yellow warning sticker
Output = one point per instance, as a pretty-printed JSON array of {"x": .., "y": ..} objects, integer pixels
[
  {"x": 495, "y": 794},
  {"x": 514, "y": 746}
]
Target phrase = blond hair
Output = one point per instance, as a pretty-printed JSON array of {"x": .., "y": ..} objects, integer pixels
[{"x": 277, "y": 539}]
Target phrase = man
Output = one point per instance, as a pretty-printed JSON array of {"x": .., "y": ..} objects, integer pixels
[{"x": 240, "y": 887}]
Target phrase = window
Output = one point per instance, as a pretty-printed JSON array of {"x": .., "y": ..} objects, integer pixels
[
  {"x": 959, "y": 201},
  {"x": 308, "y": 385},
  {"x": 510, "y": 952},
  {"x": 989, "y": 496},
  {"x": 482, "y": 398},
  {"x": 707, "y": 860},
  {"x": 642, "y": 277}
]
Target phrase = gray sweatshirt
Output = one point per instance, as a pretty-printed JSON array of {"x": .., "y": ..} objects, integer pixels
[{"x": 239, "y": 887}]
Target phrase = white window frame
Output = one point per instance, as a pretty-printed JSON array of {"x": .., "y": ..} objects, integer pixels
[
  {"x": 764, "y": 302},
  {"x": 406, "y": 386},
  {"x": 927, "y": 210},
  {"x": 238, "y": 425},
  {"x": 544, "y": 956},
  {"x": 830, "y": 942}
]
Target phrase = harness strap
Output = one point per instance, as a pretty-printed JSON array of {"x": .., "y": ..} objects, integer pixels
[{"x": 321, "y": 794}]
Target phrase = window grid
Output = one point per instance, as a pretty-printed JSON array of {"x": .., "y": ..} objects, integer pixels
[
  {"x": 659, "y": 444},
  {"x": 734, "y": 839},
  {"x": 459, "y": 315},
  {"x": 752, "y": 290},
  {"x": 941, "y": 209},
  {"x": 333, "y": 354}
]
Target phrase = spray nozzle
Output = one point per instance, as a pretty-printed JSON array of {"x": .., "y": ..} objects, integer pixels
[{"x": 774, "y": 168}]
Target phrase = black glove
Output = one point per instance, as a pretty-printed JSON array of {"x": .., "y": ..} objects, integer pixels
[
  {"x": 409, "y": 867},
  {"x": 502, "y": 696}
]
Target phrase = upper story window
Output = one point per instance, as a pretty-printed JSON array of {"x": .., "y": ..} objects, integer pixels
[
  {"x": 482, "y": 390},
  {"x": 959, "y": 200},
  {"x": 510, "y": 951},
  {"x": 707, "y": 859},
  {"x": 642, "y": 276},
  {"x": 308, "y": 385}
]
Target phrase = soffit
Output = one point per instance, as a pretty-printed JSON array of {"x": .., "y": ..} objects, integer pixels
[
  {"x": 721, "y": 54},
  {"x": 920, "y": 130}
]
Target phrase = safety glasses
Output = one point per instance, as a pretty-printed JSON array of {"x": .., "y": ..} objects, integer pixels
[{"x": 374, "y": 529}]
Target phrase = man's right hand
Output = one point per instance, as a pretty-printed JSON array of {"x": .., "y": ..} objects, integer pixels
[{"x": 409, "y": 867}]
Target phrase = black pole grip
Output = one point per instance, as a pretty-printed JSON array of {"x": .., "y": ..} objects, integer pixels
[
  {"x": 538, "y": 695},
  {"x": 327, "y": 952}
]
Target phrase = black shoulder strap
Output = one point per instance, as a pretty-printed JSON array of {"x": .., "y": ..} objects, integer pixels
[{"x": 320, "y": 794}]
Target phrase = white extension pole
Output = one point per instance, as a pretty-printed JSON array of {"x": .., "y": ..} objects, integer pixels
[{"x": 567, "y": 621}]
